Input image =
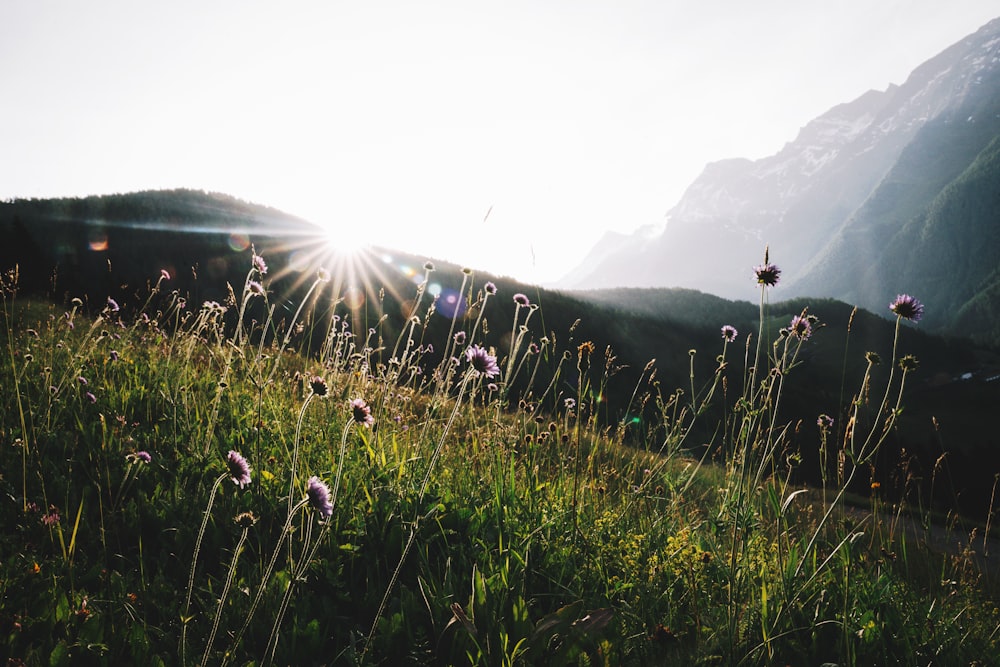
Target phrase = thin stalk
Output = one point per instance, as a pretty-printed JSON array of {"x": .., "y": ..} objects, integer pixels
[
  {"x": 416, "y": 519},
  {"x": 185, "y": 618},
  {"x": 265, "y": 578},
  {"x": 222, "y": 598}
]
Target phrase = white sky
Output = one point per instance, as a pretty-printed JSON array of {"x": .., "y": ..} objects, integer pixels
[{"x": 404, "y": 122}]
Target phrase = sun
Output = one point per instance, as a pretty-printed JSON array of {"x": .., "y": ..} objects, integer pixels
[
  {"x": 339, "y": 268},
  {"x": 339, "y": 242}
]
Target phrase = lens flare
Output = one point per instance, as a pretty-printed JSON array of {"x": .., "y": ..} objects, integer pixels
[
  {"x": 451, "y": 303},
  {"x": 238, "y": 242}
]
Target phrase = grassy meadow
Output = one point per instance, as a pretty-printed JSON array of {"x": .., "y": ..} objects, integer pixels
[{"x": 207, "y": 484}]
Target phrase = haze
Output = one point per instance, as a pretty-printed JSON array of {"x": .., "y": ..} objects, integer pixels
[{"x": 503, "y": 136}]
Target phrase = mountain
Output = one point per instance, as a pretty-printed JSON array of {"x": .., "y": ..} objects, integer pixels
[
  {"x": 849, "y": 206},
  {"x": 96, "y": 246}
]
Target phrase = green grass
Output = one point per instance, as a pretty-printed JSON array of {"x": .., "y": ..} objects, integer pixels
[{"x": 478, "y": 520}]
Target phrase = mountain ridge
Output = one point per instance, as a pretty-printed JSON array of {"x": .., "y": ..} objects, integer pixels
[{"x": 855, "y": 167}]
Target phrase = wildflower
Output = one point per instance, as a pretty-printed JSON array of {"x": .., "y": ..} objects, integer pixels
[
  {"x": 318, "y": 386},
  {"x": 245, "y": 519},
  {"x": 824, "y": 421},
  {"x": 533, "y": 349},
  {"x": 729, "y": 333},
  {"x": 907, "y": 307},
  {"x": 490, "y": 288},
  {"x": 255, "y": 287},
  {"x": 909, "y": 363},
  {"x": 428, "y": 266},
  {"x": 521, "y": 299},
  {"x": 570, "y": 403},
  {"x": 482, "y": 361},
  {"x": 767, "y": 274},
  {"x": 91, "y": 397},
  {"x": 260, "y": 264},
  {"x": 82, "y": 380},
  {"x": 113, "y": 355},
  {"x": 319, "y": 496},
  {"x": 800, "y": 327},
  {"x": 876, "y": 486},
  {"x": 112, "y": 305},
  {"x": 460, "y": 338},
  {"x": 143, "y": 456},
  {"x": 362, "y": 412},
  {"x": 51, "y": 518},
  {"x": 873, "y": 358},
  {"x": 492, "y": 386},
  {"x": 239, "y": 469},
  {"x": 164, "y": 274}
]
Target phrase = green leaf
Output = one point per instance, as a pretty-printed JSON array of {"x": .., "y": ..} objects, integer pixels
[{"x": 59, "y": 655}]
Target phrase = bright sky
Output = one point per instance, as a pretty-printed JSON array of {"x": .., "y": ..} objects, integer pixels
[{"x": 404, "y": 123}]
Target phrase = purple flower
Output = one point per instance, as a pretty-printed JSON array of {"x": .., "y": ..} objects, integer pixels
[
  {"x": 318, "y": 385},
  {"x": 729, "y": 333},
  {"x": 767, "y": 274},
  {"x": 82, "y": 380},
  {"x": 319, "y": 496},
  {"x": 143, "y": 456},
  {"x": 113, "y": 355},
  {"x": 521, "y": 299},
  {"x": 361, "y": 412},
  {"x": 570, "y": 403},
  {"x": 91, "y": 397},
  {"x": 112, "y": 305},
  {"x": 259, "y": 264},
  {"x": 482, "y": 361},
  {"x": 490, "y": 288},
  {"x": 800, "y": 327},
  {"x": 907, "y": 307},
  {"x": 164, "y": 274},
  {"x": 460, "y": 338},
  {"x": 239, "y": 469},
  {"x": 824, "y": 421},
  {"x": 255, "y": 287}
]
